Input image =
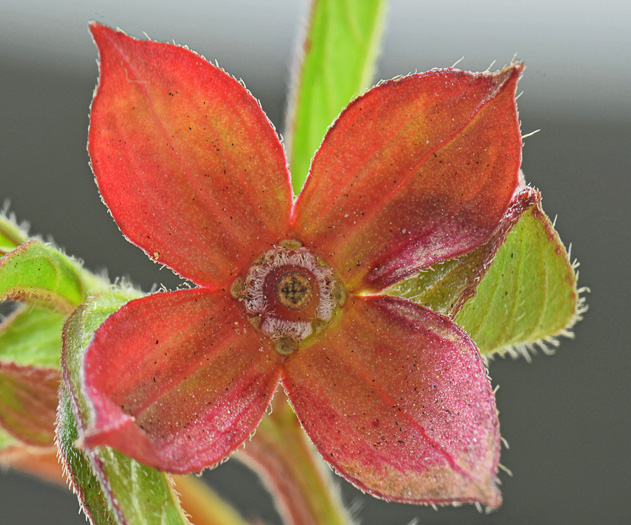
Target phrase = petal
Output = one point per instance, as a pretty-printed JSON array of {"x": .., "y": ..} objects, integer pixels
[
  {"x": 448, "y": 286},
  {"x": 185, "y": 158},
  {"x": 418, "y": 170},
  {"x": 397, "y": 399},
  {"x": 178, "y": 380}
]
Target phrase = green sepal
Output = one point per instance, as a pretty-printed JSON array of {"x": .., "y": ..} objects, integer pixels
[
  {"x": 529, "y": 295},
  {"x": 134, "y": 494},
  {"x": 31, "y": 336},
  {"x": 337, "y": 63},
  {"x": 40, "y": 274},
  {"x": 517, "y": 290}
]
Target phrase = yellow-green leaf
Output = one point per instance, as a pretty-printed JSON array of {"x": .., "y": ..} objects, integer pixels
[
  {"x": 338, "y": 60},
  {"x": 38, "y": 273}
]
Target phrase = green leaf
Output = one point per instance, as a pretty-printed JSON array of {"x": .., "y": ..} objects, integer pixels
[
  {"x": 529, "y": 294},
  {"x": 11, "y": 235},
  {"x": 31, "y": 336},
  {"x": 338, "y": 62},
  {"x": 135, "y": 494},
  {"x": 40, "y": 274}
]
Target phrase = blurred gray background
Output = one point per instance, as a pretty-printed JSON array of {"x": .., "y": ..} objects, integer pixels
[{"x": 566, "y": 417}]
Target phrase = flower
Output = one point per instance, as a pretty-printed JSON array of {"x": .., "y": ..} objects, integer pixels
[{"x": 417, "y": 170}]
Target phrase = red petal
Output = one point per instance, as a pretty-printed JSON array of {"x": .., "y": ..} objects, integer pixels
[
  {"x": 397, "y": 399},
  {"x": 418, "y": 170},
  {"x": 178, "y": 380},
  {"x": 185, "y": 158}
]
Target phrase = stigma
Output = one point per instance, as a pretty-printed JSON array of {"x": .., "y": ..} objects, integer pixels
[{"x": 289, "y": 294}]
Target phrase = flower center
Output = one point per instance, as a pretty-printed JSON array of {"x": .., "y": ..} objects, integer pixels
[{"x": 289, "y": 294}]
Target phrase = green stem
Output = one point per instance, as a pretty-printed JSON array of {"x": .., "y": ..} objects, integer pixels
[
  {"x": 282, "y": 455},
  {"x": 203, "y": 505}
]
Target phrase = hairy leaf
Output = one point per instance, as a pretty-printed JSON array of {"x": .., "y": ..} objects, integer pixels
[
  {"x": 40, "y": 274},
  {"x": 339, "y": 54},
  {"x": 529, "y": 294}
]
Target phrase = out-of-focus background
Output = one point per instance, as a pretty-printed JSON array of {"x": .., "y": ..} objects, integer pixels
[{"x": 566, "y": 417}]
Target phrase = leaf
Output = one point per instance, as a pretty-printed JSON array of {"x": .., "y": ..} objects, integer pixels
[
  {"x": 11, "y": 235},
  {"x": 446, "y": 287},
  {"x": 133, "y": 493},
  {"x": 396, "y": 398},
  {"x": 339, "y": 55},
  {"x": 40, "y": 274},
  {"x": 529, "y": 295},
  {"x": 31, "y": 336},
  {"x": 187, "y": 162},
  {"x": 28, "y": 402},
  {"x": 418, "y": 170}
]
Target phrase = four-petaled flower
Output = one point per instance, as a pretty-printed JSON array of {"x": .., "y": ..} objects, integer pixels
[{"x": 418, "y": 170}]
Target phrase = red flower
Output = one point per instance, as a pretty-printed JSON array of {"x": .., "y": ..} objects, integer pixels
[{"x": 418, "y": 170}]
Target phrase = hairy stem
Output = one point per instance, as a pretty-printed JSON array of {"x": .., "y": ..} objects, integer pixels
[{"x": 282, "y": 455}]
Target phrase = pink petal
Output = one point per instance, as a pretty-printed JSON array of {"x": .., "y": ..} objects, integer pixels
[
  {"x": 397, "y": 399},
  {"x": 178, "y": 380},
  {"x": 418, "y": 170},
  {"x": 185, "y": 159}
]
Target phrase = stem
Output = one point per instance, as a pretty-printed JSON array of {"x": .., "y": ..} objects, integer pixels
[
  {"x": 202, "y": 505},
  {"x": 282, "y": 455}
]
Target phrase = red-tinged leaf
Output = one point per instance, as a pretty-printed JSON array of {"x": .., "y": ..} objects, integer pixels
[
  {"x": 418, "y": 170},
  {"x": 397, "y": 399},
  {"x": 178, "y": 380},
  {"x": 28, "y": 402},
  {"x": 185, "y": 159},
  {"x": 447, "y": 286}
]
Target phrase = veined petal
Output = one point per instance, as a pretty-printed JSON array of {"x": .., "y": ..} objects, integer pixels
[
  {"x": 418, "y": 170},
  {"x": 178, "y": 380},
  {"x": 185, "y": 159},
  {"x": 397, "y": 399}
]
